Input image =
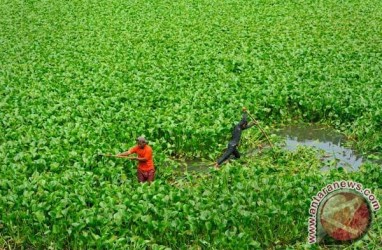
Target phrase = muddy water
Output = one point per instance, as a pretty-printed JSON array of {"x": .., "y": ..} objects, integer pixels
[{"x": 330, "y": 142}]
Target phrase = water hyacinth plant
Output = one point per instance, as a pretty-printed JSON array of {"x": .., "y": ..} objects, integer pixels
[{"x": 78, "y": 78}]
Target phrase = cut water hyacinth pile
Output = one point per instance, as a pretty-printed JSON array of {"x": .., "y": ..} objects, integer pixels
[{"x": 78, "y": 78}]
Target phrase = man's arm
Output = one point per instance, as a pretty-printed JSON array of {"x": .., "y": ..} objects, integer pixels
[
  {"x": 127, "y": 153},
  {"x": 245, "y": 117},
  {"x": 141, "y": 159},
  {"x": 148, "y": 154},
  {"x": 251, "y": 124}
]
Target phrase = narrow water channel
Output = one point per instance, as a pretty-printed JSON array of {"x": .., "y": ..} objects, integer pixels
[{"x": 331, "y": 146}]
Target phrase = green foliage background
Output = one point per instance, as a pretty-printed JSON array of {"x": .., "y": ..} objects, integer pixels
[{"x": 81, "y": 77}]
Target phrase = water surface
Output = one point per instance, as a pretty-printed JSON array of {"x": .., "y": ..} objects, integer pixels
[
  {"x": 331, "y": 145},
  {"x": 327, "y": 140}
]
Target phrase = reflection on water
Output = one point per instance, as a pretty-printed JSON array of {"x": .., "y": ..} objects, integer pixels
[{"x": 327, "y": 140}]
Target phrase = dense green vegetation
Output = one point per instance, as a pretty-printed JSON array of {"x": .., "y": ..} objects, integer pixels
[{"x": 82, "y": 77}]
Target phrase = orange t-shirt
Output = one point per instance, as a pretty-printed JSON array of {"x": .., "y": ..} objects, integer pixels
[{"x": 147, "y": 153}]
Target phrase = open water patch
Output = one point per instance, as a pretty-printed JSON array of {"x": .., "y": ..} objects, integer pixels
[
  {"x": 328, "y": 141},
  {"x": 332, "y": 146}
]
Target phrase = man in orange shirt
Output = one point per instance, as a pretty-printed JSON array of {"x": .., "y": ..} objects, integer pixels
[{"x": 146, "y": 170}]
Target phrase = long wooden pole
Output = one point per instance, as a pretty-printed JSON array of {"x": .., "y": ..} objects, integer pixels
[
  {"x": 257, "y": 124},
  {"x": 117, "y": 156}
]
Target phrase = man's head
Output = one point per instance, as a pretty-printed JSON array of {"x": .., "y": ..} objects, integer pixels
[{"x": 141, "y": 141}]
